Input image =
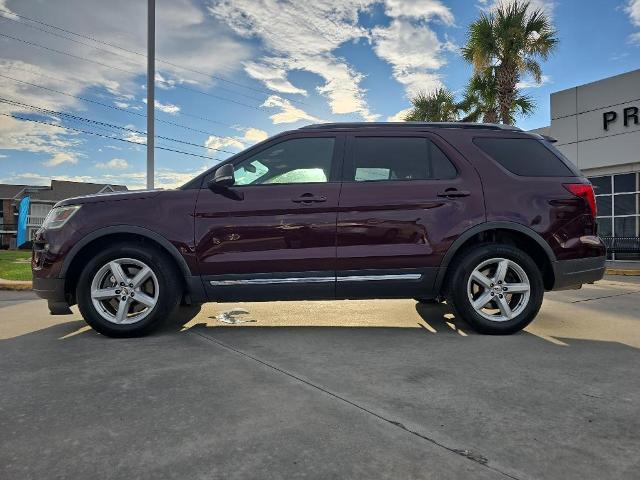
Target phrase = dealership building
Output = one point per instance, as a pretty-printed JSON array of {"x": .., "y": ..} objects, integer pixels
[{"x": 597, "y": 126}]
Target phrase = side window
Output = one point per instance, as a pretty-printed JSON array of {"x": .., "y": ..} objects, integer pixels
[
  {"x": 299, "y": 160},
  {"x": 399, "y": 158},
  {"x": 524, "y": 156}
]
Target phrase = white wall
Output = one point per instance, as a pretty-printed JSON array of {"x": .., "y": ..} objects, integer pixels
[{"x": 577, "y": 123}]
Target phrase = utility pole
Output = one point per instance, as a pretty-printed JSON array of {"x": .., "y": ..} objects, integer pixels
[{"x": 151, "y": 80}]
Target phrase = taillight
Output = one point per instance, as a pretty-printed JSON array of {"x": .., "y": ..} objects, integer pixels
[{"x": 585, "y": 191}]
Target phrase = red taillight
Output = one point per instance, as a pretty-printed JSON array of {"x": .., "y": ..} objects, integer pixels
[{"x": 585, "y": 191}]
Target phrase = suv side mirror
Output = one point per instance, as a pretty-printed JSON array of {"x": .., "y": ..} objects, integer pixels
[{"x": 223, "y": 178}]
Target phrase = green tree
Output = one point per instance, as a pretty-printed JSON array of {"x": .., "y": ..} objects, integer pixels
[
  {"x": 480, "y": 101},
  {"x": 437, "y": 106},
  {"x": 509, "y": 41}
]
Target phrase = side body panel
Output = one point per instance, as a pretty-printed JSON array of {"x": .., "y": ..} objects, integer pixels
[
  {"x": 392, "y": 235},
  {"x": 541, "y": 204}
]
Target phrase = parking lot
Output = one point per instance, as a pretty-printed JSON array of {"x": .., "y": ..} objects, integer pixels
[{"x": 352, "y": 389}]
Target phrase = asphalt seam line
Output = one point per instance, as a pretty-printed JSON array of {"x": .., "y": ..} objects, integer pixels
[
  {"x": 606, "y": 296},
  {"x": 463, "y": 453}
]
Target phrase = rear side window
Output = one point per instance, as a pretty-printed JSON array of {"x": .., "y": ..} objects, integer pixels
[
  {"x": 525, "y": 156},
  {"x": 399, "y": 158}
]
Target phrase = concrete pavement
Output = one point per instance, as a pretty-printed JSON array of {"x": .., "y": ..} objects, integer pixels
[{"x": 383, "y": 389}]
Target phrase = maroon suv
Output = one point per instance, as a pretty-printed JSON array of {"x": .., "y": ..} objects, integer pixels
[{"x": 486, "y": 216}]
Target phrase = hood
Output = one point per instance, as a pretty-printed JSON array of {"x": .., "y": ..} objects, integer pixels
[{"x": 110, "y": 197}]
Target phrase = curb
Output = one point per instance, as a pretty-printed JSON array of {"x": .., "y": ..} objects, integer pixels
[
  {"x": 15, "y": 285},
  {"x": 622, "y": 271}
]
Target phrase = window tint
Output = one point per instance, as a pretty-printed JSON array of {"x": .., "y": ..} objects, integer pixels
[
  {"x": 299, "y": 160},
  {"x": 524, "y": 156},
  {"x": 399, "y": 158}
]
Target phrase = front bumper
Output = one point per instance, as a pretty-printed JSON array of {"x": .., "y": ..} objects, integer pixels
[
  {"x": 52, "y": 290},
  {"x": 573, "y": 273}
]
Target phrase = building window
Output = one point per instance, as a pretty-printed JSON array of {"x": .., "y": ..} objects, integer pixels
[{"x": 618, "y": 200}]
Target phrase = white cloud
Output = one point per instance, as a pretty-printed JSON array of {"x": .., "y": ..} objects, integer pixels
[
  {"x": 419, "y": 9},
  {"x": 113, "y": 163},
  {"x": 251, "y": 136},
  {"x": 134, "y": 136},
  {"x": 3, "y": 156},
  {"x": 302, "y": 39},
  {"x": 633, "y": 10},
  {"x": 547, "y": 5},
  {"x": 61, "y": 157},
  {"x": 414, "y": 52},
  {"x": 400, "y": 116},
  {"x": 288, "y": 113},
  {"x": 531, "y": 83},
  {"x": 216, "y": 143},
  {"x": 255, "y": 135},
  {"x": 164, "y": 107},
  {"x": 188, "y": 37}
]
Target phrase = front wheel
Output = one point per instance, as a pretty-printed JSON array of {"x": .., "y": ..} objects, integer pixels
[
  {"x": 497, "y": 289},
  {"x": 128, "y": 290}
]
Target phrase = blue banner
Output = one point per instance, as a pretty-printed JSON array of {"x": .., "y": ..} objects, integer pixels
[{"x": 23, "y": 215}]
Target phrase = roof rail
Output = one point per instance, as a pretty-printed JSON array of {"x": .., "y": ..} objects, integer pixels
[{"x": 466, "y": 125}]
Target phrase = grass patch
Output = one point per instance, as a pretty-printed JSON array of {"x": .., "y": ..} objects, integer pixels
[{"x": 15, "y": 264}]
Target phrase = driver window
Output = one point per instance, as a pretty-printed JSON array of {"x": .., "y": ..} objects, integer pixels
[{"x": 299, "y": 160}]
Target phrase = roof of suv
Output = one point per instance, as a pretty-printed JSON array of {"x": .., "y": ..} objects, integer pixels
[{"x": 410, "y": 125}]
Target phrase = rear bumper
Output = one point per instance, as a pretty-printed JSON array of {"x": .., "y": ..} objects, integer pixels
[{"x": 573, "y": 273}]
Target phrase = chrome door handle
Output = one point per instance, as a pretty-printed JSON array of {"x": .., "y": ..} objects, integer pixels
[
  {"x": 309, "y": 198},
  {"x": 454, "y": 193}
]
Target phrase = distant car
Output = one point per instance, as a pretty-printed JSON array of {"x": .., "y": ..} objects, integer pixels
[{"x": 486, "y": 216}]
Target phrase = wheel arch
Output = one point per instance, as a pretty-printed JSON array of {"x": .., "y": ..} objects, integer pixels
[
  {"x": 504, "y": 232},
  {"x": 82, "y": 250}
]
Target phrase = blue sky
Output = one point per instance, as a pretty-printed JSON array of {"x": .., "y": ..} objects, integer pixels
[{"x": 259, "y": 67}]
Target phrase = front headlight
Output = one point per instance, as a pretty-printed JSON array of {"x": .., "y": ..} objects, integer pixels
[{"x": 59, "y": 216}]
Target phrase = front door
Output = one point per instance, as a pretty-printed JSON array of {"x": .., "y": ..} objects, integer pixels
[
  {"x": 272, "y": 235},
  {"x": 404, "y": 200}
]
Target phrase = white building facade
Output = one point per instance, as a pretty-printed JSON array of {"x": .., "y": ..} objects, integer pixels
[{"x": 597, "y": 127}]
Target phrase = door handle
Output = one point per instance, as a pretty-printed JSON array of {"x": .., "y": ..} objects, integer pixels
[
  {"x": 454, "y": 193},
  {"x": 309, "y": 198}
]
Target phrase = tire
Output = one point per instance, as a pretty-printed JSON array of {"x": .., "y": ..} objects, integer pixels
[
  {"x": 510, "y": 306},
  {"x": 118, "y": 310}
]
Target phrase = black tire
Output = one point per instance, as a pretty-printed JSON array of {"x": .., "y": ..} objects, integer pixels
[
  {"x": 457, "y": 288},
  {"x": 169, "y": 289}
]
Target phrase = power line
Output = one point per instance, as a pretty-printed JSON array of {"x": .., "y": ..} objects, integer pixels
[
  {"x": 17, "y": 117},
  {"x": 219, "y": 87},
  {"x": 166, "y": 62},
  {"x": 112, "y": 107},
  {"x": 130, "y": 72},
  {"x": 98, "y": 122}
]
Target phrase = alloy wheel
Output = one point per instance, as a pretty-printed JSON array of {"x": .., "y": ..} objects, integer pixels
[
  {"x": 124, "y": 291},
  {"x": 499, "y": 289}
]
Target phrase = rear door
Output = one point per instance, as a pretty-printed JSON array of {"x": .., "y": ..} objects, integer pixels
[
  {"x": 273, "y": 234},
  {"x": 404, "y": 200}
]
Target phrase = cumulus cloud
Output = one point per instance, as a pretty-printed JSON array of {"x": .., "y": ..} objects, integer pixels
[
  {"x": 249, "y": 137},
  {"x": 61, "y": 157},
  {"x": 547, "y": 5},
  {"x": 164, "y": 107},
  {"x": 114, "y": 163},
  {"x": 531, "y": 83},
  {"x": 188, "y": 38},
  {"x": 302, "y": 39},
  {"x": 400, "y": 116},
  {"x": 633, "y": 10},
  {"x": 288, "y": 113}
]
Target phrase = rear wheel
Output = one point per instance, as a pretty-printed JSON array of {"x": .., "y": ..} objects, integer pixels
[
  {"x": 497, "y": 289},
  {"x": 128, "y": 290}
]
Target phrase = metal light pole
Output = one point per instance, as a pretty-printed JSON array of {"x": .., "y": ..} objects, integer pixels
[{"x": 151, "y": 77}]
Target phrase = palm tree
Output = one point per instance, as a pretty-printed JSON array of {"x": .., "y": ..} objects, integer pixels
[
  {"x": 480, "y": 101},
  {"x": 437, "y": 106},
  {"x": 510, "y": 40}
]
